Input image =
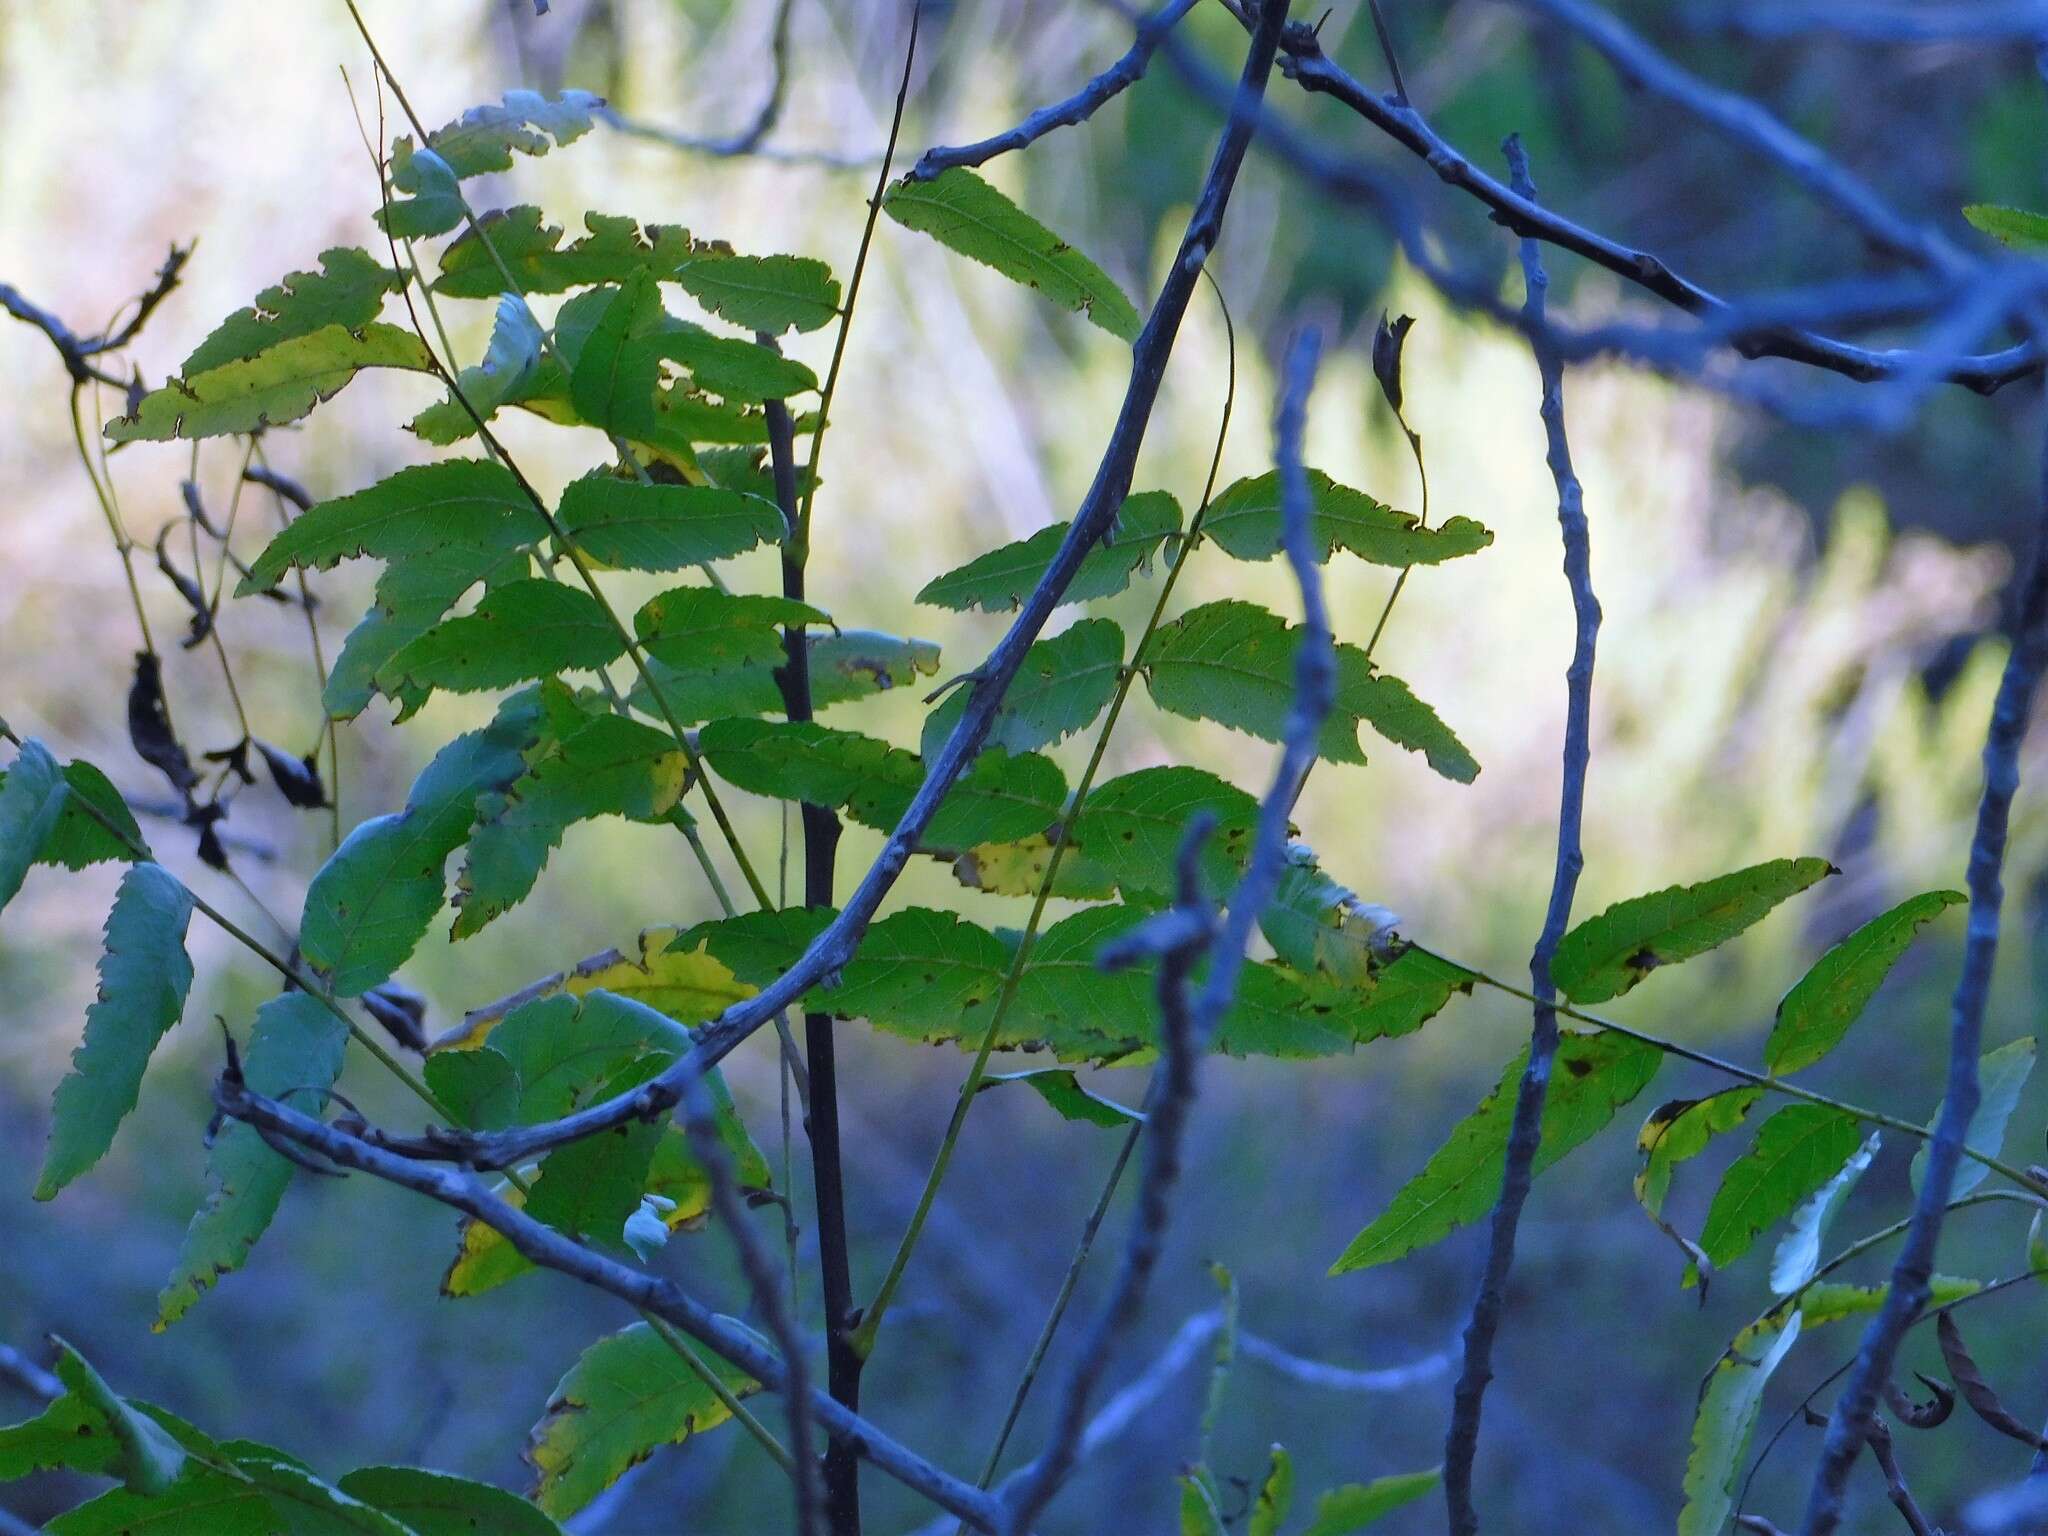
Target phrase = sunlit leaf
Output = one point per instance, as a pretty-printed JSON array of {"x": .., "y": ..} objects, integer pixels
[
  {"x": 760, "y": 293},
  {"x": 276, "y": 386},
  {"x": 517, "y": 632},
  {"x": 1001, "y": 579},
  {"x": 626, "y": 1397},
  {"x": 144, "y": 975},
  {"x": 1233, "y": 662},
  {"x": 294, "y": 1053},
  {"x": 847, "y": 664},
  {"x": 2014, "y": 227},
  {"x": 1796, "y": 1151},
  {"x": 960, "y": 210},
  {"x": 613, "y": 250},
  {"x": 1818, "y": 1011},
  {"x": 1607, "y": 955},
  {"x": 348, "y": 290},
  {"x": 1591, "y": 1078},
  {"x": 1245, "y": 521},
  {"x": 640, "y": 527}
]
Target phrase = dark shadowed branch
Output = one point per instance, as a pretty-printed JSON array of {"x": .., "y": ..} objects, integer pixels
[{"x": 1526, "y": 1132}]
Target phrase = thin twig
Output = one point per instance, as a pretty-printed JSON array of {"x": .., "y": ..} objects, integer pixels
[{"x": 1526, "y": 1129}]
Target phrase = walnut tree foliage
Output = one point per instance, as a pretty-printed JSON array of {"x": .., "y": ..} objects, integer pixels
[{"x": 677, "y": 359}]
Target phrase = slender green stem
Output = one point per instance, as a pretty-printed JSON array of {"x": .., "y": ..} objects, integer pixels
[
  {"x": 1735, "y": 1070},
  {"x": 675, "y": 1340},
  {"x": 123, "y": 545},
  {"x": 1422, "y": 518},
  {"x": 871, "y": 1322}
]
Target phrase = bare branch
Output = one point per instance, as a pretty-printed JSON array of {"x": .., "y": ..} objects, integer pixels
[
  {"x": 1525, "y": 1134},
  {"x": 1909, "y": 1289},
  {"x": 1077, "y": 108},
  {"x": 1993, "y": 21},
  {"x": 544, "y": 1246},
  {"x": 25, "y": 1376}
]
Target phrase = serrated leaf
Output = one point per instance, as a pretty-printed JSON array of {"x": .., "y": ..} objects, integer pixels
[
  {"x": 1817, "y": 1012},
  {"x": 704, "y": 630},
  {"x": 1592, "y": 1077},
  {"x": 436, "y": 205},
  {"x": 1000, "y": 580},
  {"x": 625, "y": 1398},
  {"x": 294, "y": 1054},
  {"x": 631, "y": 525},
  {"x": 465, "y": 504},
  {"x": 80, "y": 839},
  {"x": 761, "y": 293},
  {"x": 436, "y": 1504},
  {"x": 961, "y": 211},
  {"x": 1797, "y": 1256},
  {"x": 1131, "y": 827},
  {"x": 1061, "y": 1088},
  {"x": 612, "y": 381},
  {"x": 610, "y": 766},
  {"x": 142, "y": 1453},
  {"x": 1830, "y": 1302},
  {"x": 144, "y": 976},
  {"x": 1605, "y": 956},
  {"x": 1062, "y": 685},
  {"x": 1405, "y": 994},
  {"x": 2014, "y": 227},
  {"x": 32, "y": 798},
  {"x": 1199, "y": 1514},
  {"x": 1796, "y": 1151},
  {"x": 518, "y": 632},
  {"x": 847, "y": 664},
  {"x": 202, "y": 1503},
  {"x": 348, "y": 290},
  {"x": 1000, "y": 796},
  {"x": 371, "y": 903},
  {"x": 1319, "y": 926},
  {"x": 727, "y": 366},
  {"x": 2001, "y": 1076},
  {"x": 588, "y": 1188},
  {"x": 484, "y": 137},
  {"x": 1018, "y": 868},
  {"x": 1233, "y": 662},
  {"x": 413, "y": 594},
  {"x": 1245, "y": 522},
  {"x": 1726, "y": 1419},
  {"x": 1358, "y": 1505},
  {"x": 309, "y": 1507},
  {"x": 613, "y": 250},
  {"x": 276, "y": 386}
]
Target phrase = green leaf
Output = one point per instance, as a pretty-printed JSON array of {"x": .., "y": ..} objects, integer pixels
[
  {"x": 564, "y": 1049},
  {"x": 1245, "y": 522},
  {"x": 294, "y": 1053},
  {"x": 1319, "y": 926},
  {"x": 1679, "y": 1131},
  {"x": 704, "y": 630},
  {"x": 1357, "y": 1505},
  {"x": 761, "y": 293},
  {"x": 1233, "y": 662},
  {"x": 587, "y": 1189},
  {"x": 612, "y": 380},
  {"x": 625, "y": 1398},
  {"x": 1796, "y": 1151},
  {"x": 2014, "y": 227},
  {"x": 412, "y": 595},
  {"x": 32, "y": 798},
  {"x": 1726, "y": 1419},
  {"x": 1591, "y": 1078},
  {"x": 310, "y": 1507},
  {"x": 848, "y": 664},
  {"x": 470, "y": 505},
  {"x": 1608, "y": 955},
  {"x": 519, "y": 631},
  {"x": 1062, "y": 685},
  {"x": 1199, "y": 1515},
  {"x": 641, "y": 527},
  {"x": 1000, "y": 580},
  {"x": 961, "y": 211},
  {"x": 2001, "y": 1075},
  {"x": 370, "y": 904},
  {"x": 436, "y": 206},
  {"x": 144, "y": 977},
  {"x": 348, "y": 290},
  {"x": 1405, "y": 995},
  {"x": 484, "y": 137},
  {"x": 436, "y": 1504},
  {"x": 613, "y": 250},
  {"x": 278, "y": 385},
  {"x": 1061, "y": 1088},
  {"x": 610, "y": 766},
  {"x": 1276, "y": 1496},
  {"x": 1000, "y": 796},
  {"x": 81, "y": 839},
  {"x": 137, "y": 1449},
  {"x": 1830, "y": 1302},
  {"x": 1797, "y": 1257},
  {"x": 202, "y": 1503},
  {"x": 1818, "y": 1011},
  {"x": 726, "y": 365}
]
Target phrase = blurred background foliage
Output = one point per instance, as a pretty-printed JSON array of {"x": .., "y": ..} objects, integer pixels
[{"x": 1795, "y": 661}]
